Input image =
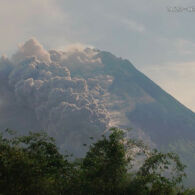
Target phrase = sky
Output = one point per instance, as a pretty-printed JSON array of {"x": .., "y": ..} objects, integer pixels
[{"x": 158, "y": 37}]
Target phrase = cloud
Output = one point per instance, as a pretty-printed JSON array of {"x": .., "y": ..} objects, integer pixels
[
  {"x": 141, "y": 31},
  {"x": 32, "y": 48},
  {"x": 185, "y": 47},
  {"x": 22, "y": 19},
  {"x": 75, "y": 56},
  {"x": 177, "y": 78},
  {"x": 133, "y": 25},
  {"x": 37, "y": 92},
  {"x": 75, "y": 47}
]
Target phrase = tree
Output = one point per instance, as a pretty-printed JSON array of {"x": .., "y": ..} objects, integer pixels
[
  {"x": 32, "y": 164},
  {"x": 105, "y": 165},
  {"x": 160, "y": 174},
  {"x": 107, "y": 168}
]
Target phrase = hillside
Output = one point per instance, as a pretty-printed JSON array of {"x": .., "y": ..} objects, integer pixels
[
  {"x": 78, "y": 93},
  {"x": 133, "y": 100}
]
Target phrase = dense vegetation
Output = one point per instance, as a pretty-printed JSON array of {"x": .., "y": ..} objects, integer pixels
[{"x": 114, "y": 164}]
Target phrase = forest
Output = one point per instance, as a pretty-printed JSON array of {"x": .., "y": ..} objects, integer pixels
[{"x": 114, "y": 164}]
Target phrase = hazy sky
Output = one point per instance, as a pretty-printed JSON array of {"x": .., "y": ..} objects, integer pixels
[{"x": 158, "y": 37}]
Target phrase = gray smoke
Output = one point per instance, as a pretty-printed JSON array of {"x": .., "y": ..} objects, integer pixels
[{"x": 37, "y": 92}]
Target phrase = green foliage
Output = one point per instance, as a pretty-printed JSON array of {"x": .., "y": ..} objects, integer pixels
[
  {"x": 159, "y": 174},
  {"x": 185, "y": 149},
  {"x": 32, "y": 165},
  {"x": 105, "y": 165}
]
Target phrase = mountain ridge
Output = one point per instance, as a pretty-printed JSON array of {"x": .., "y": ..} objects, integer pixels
[{"x": 47, "y": 90}]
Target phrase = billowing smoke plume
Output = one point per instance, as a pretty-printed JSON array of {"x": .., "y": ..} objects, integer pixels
[
  {"x": 38, "y": 93},
  {"x": 29, "y": 49}
]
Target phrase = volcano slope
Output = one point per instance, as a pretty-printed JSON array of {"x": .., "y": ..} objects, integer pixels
[
  {"x": 81, "y": 92},
  {"x": 133, "y": 100}
]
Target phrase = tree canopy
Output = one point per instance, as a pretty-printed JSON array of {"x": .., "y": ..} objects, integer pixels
[{"x": 32, "y": 164}]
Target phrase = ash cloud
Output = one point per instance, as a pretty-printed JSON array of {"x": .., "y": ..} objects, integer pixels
[
  {"x": 37, "y": 92},
  {"x": 77, "y": 58},
  {"x": 29, "y": 49}
]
